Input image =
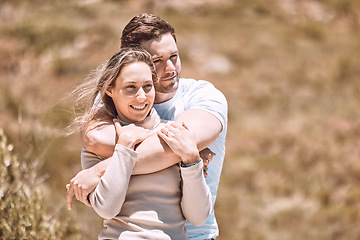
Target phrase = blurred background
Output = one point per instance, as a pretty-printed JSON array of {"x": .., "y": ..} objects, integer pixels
[{"x": 290, "y": 70}]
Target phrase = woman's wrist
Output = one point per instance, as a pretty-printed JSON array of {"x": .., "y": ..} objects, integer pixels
[
  {"x": 190, "y": 159},
  {"x": 182, "y": 164},
  {"x": 126, "y": 143}
]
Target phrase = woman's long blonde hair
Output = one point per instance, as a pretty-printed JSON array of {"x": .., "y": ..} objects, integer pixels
[{"x": 92, "y": 101}]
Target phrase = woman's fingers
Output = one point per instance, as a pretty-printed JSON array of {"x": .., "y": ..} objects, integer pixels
[
  {"x": 168, "y": 132},
  {"x": 186, "y": 126},
  {"x": 173, "y": 129},
  {"x": 177, "y": 131},
  {"x": 163, "y": 133},
  {"x": 117, "y": 125}
]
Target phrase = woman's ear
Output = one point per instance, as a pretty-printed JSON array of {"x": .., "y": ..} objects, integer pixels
[{"x": 109, "y": 92}]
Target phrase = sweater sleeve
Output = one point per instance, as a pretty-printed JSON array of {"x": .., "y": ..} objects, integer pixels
[
  {"x": 109, "y": 195},
  {"x": 196, "y": 201}
]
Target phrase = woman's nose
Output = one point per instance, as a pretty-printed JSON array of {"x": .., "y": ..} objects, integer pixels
[{"x": 141, "y": 95}]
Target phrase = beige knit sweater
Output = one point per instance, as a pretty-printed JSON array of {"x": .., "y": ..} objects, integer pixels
[{"x": 149, "y": 206}]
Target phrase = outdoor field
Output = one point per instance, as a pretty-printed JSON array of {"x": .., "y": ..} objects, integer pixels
[{"x": 290, "y": 70}]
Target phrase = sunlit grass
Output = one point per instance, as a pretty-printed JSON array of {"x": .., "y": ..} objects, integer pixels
[{"x": 291, "y": 78}]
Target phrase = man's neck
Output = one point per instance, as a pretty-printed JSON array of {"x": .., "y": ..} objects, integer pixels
[{"x": 163, "y": 97}]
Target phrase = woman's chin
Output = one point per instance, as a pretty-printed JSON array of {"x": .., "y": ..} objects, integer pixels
[{"x": 139, "y": 118}]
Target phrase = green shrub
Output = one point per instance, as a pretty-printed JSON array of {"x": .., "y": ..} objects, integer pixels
[{"x": 22, "y": 207}]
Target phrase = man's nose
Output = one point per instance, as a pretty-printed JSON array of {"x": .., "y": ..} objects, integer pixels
[{"x": 170, "y": 66}]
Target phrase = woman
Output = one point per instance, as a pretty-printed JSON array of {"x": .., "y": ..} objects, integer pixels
[{"x": 150, "y": 206}]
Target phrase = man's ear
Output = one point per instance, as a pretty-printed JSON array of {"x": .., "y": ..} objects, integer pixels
[{"x": 109, "y": 92}]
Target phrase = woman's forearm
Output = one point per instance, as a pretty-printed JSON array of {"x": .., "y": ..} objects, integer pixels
[
  {"x": 109, "y": 195},
  {"x": 196, "y": 202}
]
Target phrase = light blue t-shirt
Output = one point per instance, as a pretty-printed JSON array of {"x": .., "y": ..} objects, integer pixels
[{"x": 199, "y": 94}]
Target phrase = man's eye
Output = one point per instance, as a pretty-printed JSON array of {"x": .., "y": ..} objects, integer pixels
[
  {"x": 130, "y": 87},
  {"x": 156, "y": 60}
]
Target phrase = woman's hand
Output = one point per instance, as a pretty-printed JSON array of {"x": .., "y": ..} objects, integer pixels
[
  {"x": 181, "y": 140},
  {"x": 130, "y": 135}
]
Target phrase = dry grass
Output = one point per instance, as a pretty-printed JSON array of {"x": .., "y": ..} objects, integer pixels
[{"x": 289, "y": 69}]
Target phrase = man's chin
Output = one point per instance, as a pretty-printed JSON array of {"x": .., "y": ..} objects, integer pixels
[{"x": 166, "y": 88}]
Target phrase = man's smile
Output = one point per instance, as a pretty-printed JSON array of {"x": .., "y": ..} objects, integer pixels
[{"x": 168, "y": 78}]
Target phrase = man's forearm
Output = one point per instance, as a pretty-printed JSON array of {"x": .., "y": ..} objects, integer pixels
[
  {"x": 101, "y": 140},
  {"x": 154, "y": 155},
  {"x": 101, "y": 166},
  {"x": 205, "y": 125}
]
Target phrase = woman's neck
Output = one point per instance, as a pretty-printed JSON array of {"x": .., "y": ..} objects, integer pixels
[{"x": 150, "y": 122}]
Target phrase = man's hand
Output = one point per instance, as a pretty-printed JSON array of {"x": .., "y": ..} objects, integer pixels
[
  {"x": 206, "y": 155},
  {"x": 81, "y": 185}
]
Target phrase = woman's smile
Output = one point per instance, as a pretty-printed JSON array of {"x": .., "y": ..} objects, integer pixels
[
  {"x": 139, "y": 107},
  {"x": 133, "y": 94}
]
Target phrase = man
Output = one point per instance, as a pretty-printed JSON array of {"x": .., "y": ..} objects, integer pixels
[{"x": 198, "y": 103}]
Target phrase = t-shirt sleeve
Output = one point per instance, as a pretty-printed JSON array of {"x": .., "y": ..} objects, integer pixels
[{"x": 204, "y": 96}]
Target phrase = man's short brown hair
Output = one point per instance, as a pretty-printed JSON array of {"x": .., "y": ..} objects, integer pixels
[{"x": 145, "y": 27}]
